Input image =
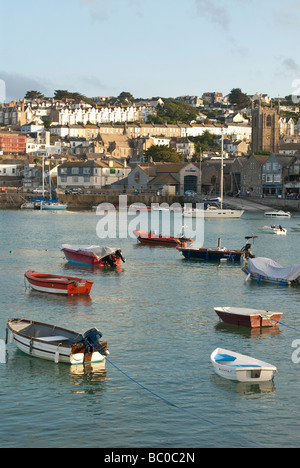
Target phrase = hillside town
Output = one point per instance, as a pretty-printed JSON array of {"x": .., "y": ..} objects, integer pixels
[{"x": 131, "y": 145}]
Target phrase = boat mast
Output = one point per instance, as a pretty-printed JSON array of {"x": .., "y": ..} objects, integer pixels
[{"x": 222, "y": 170}]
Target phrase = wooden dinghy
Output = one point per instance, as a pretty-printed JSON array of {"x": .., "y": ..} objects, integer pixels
[
  {"x": 57, "y": 344},
  {"x": 57, "y": 284},
  {"x": 245, "y": 317},
  {"x": 151, "y": 238},
  {"x": 235, "y": 366}
]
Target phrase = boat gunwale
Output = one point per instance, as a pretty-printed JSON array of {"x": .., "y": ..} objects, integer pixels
[{"x": 66, "y": 279}]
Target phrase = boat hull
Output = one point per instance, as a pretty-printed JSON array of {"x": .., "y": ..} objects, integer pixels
[
  {"x": 86, "y": 258},
  {"x": 258, "y": 278},
  {"x": 151, "y": 239},
  {"x": 250, "y": 318},
  {"x": 235, "y": 366},
  {"x": 212, "y": 255},
  {"x": 54, "y": 284},
  {"x": 56, "y": 347},
  {"x": 211, "y": 214},
  {"x": 278, "y": 214}
]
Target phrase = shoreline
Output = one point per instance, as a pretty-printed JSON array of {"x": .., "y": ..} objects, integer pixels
[{"x": 83, "y": 202}]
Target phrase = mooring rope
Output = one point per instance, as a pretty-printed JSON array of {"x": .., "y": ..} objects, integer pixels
[{"x": 170, "y": 403}]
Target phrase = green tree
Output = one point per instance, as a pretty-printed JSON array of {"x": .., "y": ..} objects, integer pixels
[
  {"x": 34, "y": 95},
  {"x": 126, "y": 97},
  {"x": 162, "y": 153},
  {"x": 174, "y": 111},
  {"x": 238, "y": 98}
]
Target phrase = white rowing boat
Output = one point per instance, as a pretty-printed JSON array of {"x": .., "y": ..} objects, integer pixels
[
  {"x": 57, "y": 344},
  {"x": 235, "y": 366}
]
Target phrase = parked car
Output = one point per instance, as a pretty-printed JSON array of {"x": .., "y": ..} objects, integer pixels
[
  {"x": 190, "y": 193},
  {"x": 39, "y": 190},
  {"x": 73, "y": 190}
]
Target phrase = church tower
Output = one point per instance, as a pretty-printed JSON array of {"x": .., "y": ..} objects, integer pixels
[{"x": 265, "y": 129}]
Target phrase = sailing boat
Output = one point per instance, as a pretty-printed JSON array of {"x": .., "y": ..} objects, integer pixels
[
  {"x": 211, "y": 211},
  {"x": 51, "y": 204}
]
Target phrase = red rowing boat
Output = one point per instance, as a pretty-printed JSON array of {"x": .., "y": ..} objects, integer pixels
[
  {"x": 56, "y": 284},
  {"x": 158, "y": 239}
]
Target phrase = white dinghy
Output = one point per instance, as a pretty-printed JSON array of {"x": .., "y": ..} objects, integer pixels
[
  {"x": 235, "y": 366},
  {"x": 57, "y": 344}
]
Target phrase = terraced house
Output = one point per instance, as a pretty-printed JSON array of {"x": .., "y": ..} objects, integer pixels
[{"x": 91, "y": 174}]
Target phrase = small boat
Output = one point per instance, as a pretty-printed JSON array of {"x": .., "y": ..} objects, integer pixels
[
  {"x": 152, "y": 238},
  {"x": 266, "y": 269},
  {"x": 245, "y": 317},
  {"x": 56, "y": 284},
  {"x": 27, "y": 206},
  {"x": 235, "y": 366},
  {"x": 92, "y": 255},
  {"x": 218, "y": 253},
  {"x": 277, "y": 214},
  {"x": 279, "y": 230},
  {"x": 57, "y": 344}
]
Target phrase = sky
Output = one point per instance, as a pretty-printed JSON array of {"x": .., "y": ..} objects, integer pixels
[{"x": 150, "y": 48}]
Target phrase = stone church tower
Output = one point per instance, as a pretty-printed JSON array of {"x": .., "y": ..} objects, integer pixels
[{"x": 265, "y": 129}]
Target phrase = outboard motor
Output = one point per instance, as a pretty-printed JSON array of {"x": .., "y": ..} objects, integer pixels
[
  {"x": 118, "y": 254},
  {"x": 92, "y": 339}
]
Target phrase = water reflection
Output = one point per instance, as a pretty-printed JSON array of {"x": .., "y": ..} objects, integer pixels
[
  {"x": 88, "y": 378},
  {"x": 242, "y": 388},
  {"x": 246, "y": 332}
]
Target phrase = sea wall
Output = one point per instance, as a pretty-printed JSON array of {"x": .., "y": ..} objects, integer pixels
[{"x": 13, "y": 200}]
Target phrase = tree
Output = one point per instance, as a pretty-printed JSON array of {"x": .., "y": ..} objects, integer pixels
[
  {"x": 126, "y": 97},
  {"x": 238, "y": 98},
  {"x": 174, "y": 111},
  {"x": 34, "y": 95},
  {"x": 162, "y": 153}
]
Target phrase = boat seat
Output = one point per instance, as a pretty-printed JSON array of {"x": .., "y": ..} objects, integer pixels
[
  {"x": 53, "y": 338},
  {"x": 242, "y": 365},
  {"x": 224, "y": 357}
]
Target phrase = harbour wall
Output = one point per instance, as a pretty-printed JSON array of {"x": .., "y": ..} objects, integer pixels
[{"x": 87, "y": 201}]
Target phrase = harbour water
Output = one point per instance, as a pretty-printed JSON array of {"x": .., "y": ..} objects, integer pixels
[{"x": 157, "y": 314}]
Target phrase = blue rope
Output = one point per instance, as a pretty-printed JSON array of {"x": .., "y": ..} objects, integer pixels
[
  {"x": 288, "y": 326},
  {"x": 167, "y": 401}
]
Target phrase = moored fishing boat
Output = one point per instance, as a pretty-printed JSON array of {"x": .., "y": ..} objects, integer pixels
[
  {"x": 218, "y": 253},
  {"x": 57, "y": 344},
  {"x": 92, "y": 255},
  {"x": 266, "y": 269},
  {"x": 246, "y": 317},
  {"x": 234, "y": 366},
  {"x": 57, "y": 284},
  {"x": 152, "y": 238}
]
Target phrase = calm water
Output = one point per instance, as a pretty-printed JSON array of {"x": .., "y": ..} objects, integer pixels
[{"x": 157, "y": 315}]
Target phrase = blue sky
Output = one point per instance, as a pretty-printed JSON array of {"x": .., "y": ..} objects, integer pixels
[{"x": 150, "y": 48}]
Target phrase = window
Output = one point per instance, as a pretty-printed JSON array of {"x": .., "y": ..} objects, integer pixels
[
  {"x": 75, "y": 170},
  {"x": 86, "y": 170},
  {"x": 75, "y": 179},
  {"x": 269, "y": 178},
  {"x": 269, "y": 121},
  {"x": 277, "y": 178}
]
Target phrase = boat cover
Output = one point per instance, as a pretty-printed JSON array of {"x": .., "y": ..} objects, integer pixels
[
  {"x": 100, "y": 252},
  {"x": 267, "y": 267}
]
